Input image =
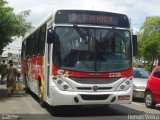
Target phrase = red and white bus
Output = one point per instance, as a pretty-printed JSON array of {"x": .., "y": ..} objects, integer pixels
[{"x": 80, "y": 57}]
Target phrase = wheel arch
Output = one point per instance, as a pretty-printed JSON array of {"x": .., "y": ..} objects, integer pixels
[
  {"x": 41, "y": 84},
  {"x": 148, "y": 90}
]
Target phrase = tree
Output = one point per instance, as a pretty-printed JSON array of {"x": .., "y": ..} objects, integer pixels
[
  {"x": 150, "y": 41},
  {"x": 11, "y": 24}
]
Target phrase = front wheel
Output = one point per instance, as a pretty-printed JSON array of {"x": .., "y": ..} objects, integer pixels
[
  {"x": 40, "y": 95},
  {"x": 149, "y": 101}
]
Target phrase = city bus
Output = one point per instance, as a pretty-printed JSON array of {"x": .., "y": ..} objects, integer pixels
[{"x": 80, "y": 57}]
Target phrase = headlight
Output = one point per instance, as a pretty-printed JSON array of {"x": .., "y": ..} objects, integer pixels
[
  {"x": 124, "y": 86},
  {"x": 62, "y": 85}
]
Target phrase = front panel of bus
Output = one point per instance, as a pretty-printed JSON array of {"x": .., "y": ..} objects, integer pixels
[{"x": 91, "y": 64}]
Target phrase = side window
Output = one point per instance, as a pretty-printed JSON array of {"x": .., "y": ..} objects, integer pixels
[
  {"x": 28, "y": 48},
  {"x": 32, "y": 44},
  {"x": 41, "y": 41},
  {"x": 157, "y": 73},
  {"x": 23, "y": 52},
  {"x": 36, "y": 45}
]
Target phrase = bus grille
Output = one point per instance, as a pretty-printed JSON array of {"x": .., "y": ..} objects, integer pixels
[
  {"x": 94, "y": 80},
  {"x": 94, "y": 97},
  {"x": 90, "y": 88}
]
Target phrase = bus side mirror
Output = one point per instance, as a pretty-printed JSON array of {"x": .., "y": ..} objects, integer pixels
[
  {"x": 50, "y": 36},
  {"x": 135, "y": 45}
]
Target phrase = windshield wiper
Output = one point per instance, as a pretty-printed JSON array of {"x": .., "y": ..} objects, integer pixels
[
  {"x": 109, "y": 32},
  {"x": 81, "y": 34},
  {"x": 86, "y": 37}
]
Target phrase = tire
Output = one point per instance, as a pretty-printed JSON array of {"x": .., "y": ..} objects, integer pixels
[
  {"x": 26, "y": 88},
  {"x": 42, "y": 103},
  {"x": 149, "y": 100}
]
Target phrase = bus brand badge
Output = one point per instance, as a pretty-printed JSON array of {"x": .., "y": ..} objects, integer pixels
[{"x": 95, "y": 88}]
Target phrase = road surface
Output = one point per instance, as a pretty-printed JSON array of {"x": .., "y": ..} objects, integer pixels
[{"x": 24, "y": 106}]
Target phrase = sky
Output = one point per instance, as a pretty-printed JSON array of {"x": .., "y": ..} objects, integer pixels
[{"x": 136, "y": 10}]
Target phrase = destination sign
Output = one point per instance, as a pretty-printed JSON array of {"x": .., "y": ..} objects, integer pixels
[{"x": 92, "y": 18}]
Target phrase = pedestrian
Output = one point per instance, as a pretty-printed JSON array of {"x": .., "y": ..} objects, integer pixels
[
  {"x": 3, "y": 70},
  {"x": 12, "y": 74}
]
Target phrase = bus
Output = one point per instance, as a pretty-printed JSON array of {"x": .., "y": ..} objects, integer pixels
[{"x": 80, "y": 57}]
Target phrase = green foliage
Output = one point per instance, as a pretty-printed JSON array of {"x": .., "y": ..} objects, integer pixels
[
  {"x": 148, "y": 68},
  {"x": 151, "y": 25},
  {"x": 149, "y": 43},
  {"x": 11, "y": 24}
]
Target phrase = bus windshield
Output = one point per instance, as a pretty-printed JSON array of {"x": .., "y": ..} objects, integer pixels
[{"x": 91, "y": 49}]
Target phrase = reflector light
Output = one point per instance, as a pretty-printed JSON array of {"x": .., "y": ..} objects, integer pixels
[{"x": 125, "y": 97}]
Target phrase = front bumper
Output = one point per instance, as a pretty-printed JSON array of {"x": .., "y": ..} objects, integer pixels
[
  {"x": 58, "y": 97},
  {"x": 138, "y": 93}
]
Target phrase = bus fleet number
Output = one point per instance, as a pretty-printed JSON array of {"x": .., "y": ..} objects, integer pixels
[{"x": 116, "y": 74}]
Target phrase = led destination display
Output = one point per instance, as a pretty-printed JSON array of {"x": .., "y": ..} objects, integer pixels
[{"x": 92, "y": 17}]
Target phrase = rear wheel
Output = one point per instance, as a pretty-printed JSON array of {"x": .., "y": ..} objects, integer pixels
[
  {"x": 26, "y": 88},
  {"x": 149, "y": 101}
]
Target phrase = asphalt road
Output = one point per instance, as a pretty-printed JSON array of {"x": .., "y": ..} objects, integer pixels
[{"x": 24, "y": 106}]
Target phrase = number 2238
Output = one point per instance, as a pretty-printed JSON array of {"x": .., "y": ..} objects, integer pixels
[{"x": 116, "y": 74}]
